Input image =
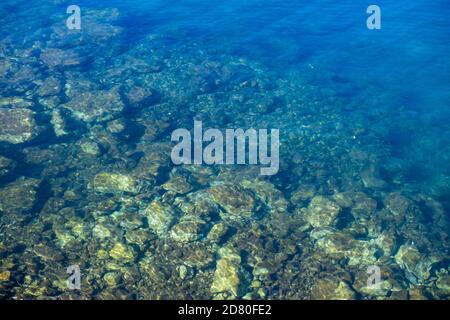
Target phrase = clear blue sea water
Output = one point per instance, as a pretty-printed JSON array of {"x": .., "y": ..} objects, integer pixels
[{"x": 406, "y": 62}]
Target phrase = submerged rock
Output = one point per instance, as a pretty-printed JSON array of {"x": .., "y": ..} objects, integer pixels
[
  {"x": 100, "y": 231},
  {"x": 226, "y": 279},
  {"x": 397, "y": 204},
  {"x": 49, "y": 87},
  {"x": 47, "y": 253},
  {"x": 330, "y": 288},
  {"x": 417, "y": 265},
  {"x": 322, "y": 212},
  {"x": 188, "y": 229},
  {"x": 443, "y": 284},
  {"x": 217, "y": 232},
  {"x": 57, "y": 57},
  {"x": 4, "y": 276},
  {"x": 116, "y": 126},
  {"x": 123, "y": 253},
  {"x": 114, "y": 182},
  {"x": 136, "y": 95},
  {"x": 160, "y": 217},
  {"x": 371, "y": 180},
  {"x": 17, "y": 125},
  {"x": 91, "y": 148},
  {"x": 268, "y": 193},
  {"x": 59, "y": 123},
  {"x": 391, "y": 281},
  {"x": 178, "y": 184},
  {"x": 303, "y": 193},
  {"x": 6, "y": 166},
  {"x": 340, "y": 245},
  {"x": 15, "y": 102},
  {"x": 112, "y": 279},
  {"x": 235, "y": 200},
  {"x": 19, "y": 196},
  {"x": 199, "y": 255},
  {"x": 408, "y": 257},
  {"x": 96, "y": 106},
  {"x": 140, "y": 237},
  {"x": 387, "y": 241},
  {"x": 155, "y": 162}
]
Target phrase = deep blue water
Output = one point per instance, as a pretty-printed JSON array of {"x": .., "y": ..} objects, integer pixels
[{"x": 407, "y": 60}]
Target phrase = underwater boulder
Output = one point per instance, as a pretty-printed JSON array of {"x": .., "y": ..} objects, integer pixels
[
  {"x": 391, "y": 281},
  {"x": 398, "y": 205},
  {"x": 268, "y": 194},
  {"x": 106, "y": 182},
  {"x": 322, "y": 212},
  {"x": 160, "y": 217},
  {"x": 90, "y": 148},
  {"x": 137, "y": 95},
  {"x": 123, "y": 253},
  {"x": 140, "y": 237},
  {"x": 234, "y": 199},
  {"x": 340, "y": 245},
  {"x": 6, "y": 166},
  {"x": 51, "y": 86},
  {"x": 112, "y": 279},
  {"x": 15, "y": 102},
  {"x": 218, "y": 232},
  {"x": 178, "y": 184},
  {"x": 96, "y": 105},
  {"x": 416, "y": 265},
  {"x": 443, "y": 284},
  {"x": 371, "y": 179},
  {"x": 331, "y": 288},
  {"x": 227, "y": 276},
  {"x": 19, "y": 196},
  {"x": 58, "y": 57},
  {"x": 188, "y": 229},
  {"x": 47, "y": 253},
  {"x": 17, "y": 125},
  {"x": 5, "y": 276}
]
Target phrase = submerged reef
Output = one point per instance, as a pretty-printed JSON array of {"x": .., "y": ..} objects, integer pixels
[{"x": 86, "y": 178}]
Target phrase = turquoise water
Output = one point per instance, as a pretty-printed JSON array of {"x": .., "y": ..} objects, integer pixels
[{"x": 86, "y": 177}]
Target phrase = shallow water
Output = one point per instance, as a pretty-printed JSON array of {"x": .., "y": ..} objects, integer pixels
[{"x": 86, "y": 177}]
